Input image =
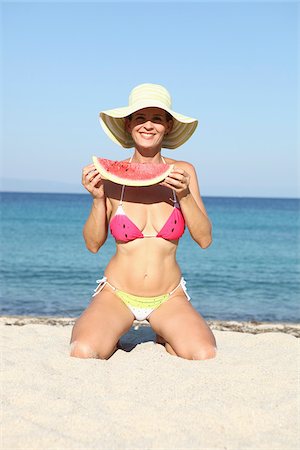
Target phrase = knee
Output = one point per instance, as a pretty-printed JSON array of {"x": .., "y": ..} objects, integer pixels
[
  {"x": 79, "y": 349},
  {"x": 208, "y": 352},
  {"x": 200, "y": 353}
]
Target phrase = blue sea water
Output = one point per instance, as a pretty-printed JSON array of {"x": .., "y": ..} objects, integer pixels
[{"x": 250, "y": 272}]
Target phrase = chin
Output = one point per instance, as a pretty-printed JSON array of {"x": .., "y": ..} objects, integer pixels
[{"x": 149, "y": 145}]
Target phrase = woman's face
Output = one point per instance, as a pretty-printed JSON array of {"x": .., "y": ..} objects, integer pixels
[{"x": 148, "y": 127}]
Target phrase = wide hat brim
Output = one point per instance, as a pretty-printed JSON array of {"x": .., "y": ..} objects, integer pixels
[{"x": 113, "y": 123}]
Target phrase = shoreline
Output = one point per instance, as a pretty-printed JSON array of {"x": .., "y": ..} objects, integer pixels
[{"x": 252, "y": 327}]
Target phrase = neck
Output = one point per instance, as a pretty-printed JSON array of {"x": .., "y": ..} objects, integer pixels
[{"x": 138, "y": 157}]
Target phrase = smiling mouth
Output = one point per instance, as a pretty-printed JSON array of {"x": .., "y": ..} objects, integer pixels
[{"x": 147, "y": 135}]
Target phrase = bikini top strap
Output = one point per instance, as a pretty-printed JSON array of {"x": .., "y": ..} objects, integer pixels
[
  {"x": 122, "y": 195},
  {"x": 174, "y": 198},
  {"x": 123, "y": 188},
  {"x": 174, "y": 194}
]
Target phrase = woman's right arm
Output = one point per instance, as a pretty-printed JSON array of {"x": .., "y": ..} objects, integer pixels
[{"x": 95, "y": 228}]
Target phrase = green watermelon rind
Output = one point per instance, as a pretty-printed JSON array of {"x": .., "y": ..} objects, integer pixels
[{"x": 108, "y": 175}]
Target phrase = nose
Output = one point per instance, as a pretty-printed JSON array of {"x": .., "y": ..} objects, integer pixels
[{"x": 148, "y": 125}]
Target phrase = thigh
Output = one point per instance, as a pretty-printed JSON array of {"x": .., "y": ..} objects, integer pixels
[
  {"x": 183, "y": 328},
  {"x": 103, "y": 322}
]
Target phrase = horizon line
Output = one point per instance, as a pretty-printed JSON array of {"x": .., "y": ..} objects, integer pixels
[{"x": 204, "y": 196}]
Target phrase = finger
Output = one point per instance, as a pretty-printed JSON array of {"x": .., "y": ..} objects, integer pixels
[
  {"x": 95, "y": 180},
  {"x": 90, "y": 168},
  {"x": 92, "y": 171},
  {"x": 91, "y": 175},
  {"x": 176, "y": 176},
  {"x": 178, "y": 186},
  {"x": 88, "y": 176},
  {"x": 179, "y": 180},
  {"x": 178, "y": 170},
  {"x": 175, "y": 186},
  {"x": 87, "y": 179}
]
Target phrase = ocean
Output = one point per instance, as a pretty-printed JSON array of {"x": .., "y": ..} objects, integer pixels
[{"x": 251, "y": 271}]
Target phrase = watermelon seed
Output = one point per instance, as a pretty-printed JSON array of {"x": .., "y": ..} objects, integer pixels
[{"x": 172, "y": 230}]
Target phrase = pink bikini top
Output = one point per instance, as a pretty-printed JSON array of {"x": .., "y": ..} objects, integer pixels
[{"x": 124, "y": 230}]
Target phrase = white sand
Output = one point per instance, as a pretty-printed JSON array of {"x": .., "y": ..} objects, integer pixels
[{"x": 246, "y": 398}]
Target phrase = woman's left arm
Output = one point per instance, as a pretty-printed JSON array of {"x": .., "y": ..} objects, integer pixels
[{"x": 183, "y": 179}]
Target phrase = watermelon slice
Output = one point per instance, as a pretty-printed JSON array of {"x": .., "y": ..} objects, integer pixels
[{"x": 132, "y": 174}]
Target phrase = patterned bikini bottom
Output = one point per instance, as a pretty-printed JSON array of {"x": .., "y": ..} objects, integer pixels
[{"x": 141, "y": 307}]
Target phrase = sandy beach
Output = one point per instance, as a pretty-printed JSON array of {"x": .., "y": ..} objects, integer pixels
[{"x": 144, "y": 398}]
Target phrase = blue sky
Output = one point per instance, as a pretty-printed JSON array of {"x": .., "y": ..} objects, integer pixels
[{"x": 233, "y": 65}]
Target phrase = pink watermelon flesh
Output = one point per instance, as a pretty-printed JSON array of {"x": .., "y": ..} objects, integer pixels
[{"x": 132, "y": 174}]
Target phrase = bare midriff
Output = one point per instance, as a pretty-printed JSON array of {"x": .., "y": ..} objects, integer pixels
[{"x": 144, "y": 267}]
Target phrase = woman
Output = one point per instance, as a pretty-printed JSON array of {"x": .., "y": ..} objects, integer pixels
[{"x": 143, "y": 279}]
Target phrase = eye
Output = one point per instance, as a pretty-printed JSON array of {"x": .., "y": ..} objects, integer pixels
[
  {"x": 157, "y": 119},
  {"x": 139, "y": 119}
]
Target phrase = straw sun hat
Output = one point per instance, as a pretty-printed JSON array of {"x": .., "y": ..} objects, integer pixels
[{"x": 144, "y": 96}]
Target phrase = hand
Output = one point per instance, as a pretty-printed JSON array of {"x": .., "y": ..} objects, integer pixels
[
  {"x": 92, "y": 181},
  {"x": 179, "y": 180}
]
